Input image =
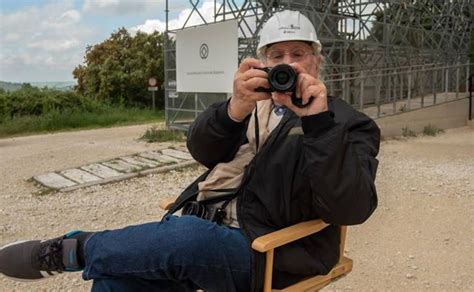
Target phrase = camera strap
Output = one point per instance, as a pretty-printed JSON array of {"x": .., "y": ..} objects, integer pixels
[
  {"x": 231, "y": 194},
  {"x": 257, "y": 129}
]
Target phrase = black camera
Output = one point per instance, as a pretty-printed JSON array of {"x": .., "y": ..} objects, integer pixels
[
  {"x": 282, "y": 78},
  {"x": 202, "y": 210}
]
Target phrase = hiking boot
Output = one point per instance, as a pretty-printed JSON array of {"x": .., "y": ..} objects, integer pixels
[{"x": 36, "y": 260}]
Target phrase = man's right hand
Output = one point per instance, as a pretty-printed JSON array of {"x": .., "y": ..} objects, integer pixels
[{"x": 246, "y": 80}]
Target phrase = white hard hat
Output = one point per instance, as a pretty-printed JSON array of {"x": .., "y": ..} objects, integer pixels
[{"x": 287, "y": 25}]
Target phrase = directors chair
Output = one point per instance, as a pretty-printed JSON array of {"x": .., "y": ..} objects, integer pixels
[{"x": 269, "y": 242}]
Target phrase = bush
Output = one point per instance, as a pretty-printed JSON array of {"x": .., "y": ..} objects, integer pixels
[
  {"x": 154, "y": 134},
  {"x": 32, "y": 110},
  {"x": 33, "y": 101},
  {"x": 431, "y": 130},
  {"x": 406, "y": 132},
  {"x": 73, "y": 119}
]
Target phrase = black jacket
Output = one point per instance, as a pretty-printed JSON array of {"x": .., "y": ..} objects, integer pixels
[{"x": 320, "y": 166}]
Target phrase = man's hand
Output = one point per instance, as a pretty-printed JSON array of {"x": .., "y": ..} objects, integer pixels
[
  {"x": 246, "y": 80},
  {"x": 307, "y": 86}
]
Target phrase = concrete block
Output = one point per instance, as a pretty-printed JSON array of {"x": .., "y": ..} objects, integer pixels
[
  {"x": 447, "y": 115},
  {"x": 149, "y": 162},
  {"x": 159, "y": 157},
  {"x": 122, "y": 166},
  {"x": 177, "y": 154},
  {"x": 54, "y": 180},
  {"x": 101, "y": 170},
  {"x": 79, "y": 176},
  {"x": 139, "y": 161}
]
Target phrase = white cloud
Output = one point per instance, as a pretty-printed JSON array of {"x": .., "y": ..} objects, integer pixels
[
  {"x": 206, "y": 11},
  {"x": 70, "y": 17},
  {"x": 47, "y": 45},
  {"x": 121, "y": 7},
  {"x": 42, "y": 38}
]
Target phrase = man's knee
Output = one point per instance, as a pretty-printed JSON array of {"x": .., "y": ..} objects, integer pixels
[{"x": 190, "y": 235}]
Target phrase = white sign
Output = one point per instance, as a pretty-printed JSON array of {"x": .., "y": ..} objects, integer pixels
[
  {"x": 207, "y": 57},
  {"x": 152, "y": 82}
]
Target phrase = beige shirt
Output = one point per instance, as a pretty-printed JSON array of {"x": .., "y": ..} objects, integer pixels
[{"x": 228, "y": 175}]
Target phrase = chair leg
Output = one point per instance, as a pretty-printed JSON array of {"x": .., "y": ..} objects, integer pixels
[{"x": 267, "y": 285}]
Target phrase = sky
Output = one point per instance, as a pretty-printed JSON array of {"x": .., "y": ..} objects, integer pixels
[{"x": 44, "y": 40}]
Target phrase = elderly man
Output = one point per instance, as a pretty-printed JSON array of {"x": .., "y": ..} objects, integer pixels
[{"x": 271, "y": 164}]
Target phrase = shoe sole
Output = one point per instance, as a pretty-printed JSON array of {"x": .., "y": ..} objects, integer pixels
[{"x": 43, "y": 273}]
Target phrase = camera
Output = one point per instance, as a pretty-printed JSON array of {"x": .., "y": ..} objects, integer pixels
[
  {"x": 282, "y": 78},
  {"x": 204, "y": 211}
]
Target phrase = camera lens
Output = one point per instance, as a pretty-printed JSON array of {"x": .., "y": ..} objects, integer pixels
[{"x": 282, "y": 78}]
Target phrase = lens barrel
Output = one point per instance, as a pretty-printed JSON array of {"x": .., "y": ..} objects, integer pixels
[{"x": 282, "y": 78}]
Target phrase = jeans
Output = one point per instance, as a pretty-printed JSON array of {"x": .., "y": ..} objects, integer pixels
[{"x": 177, "y": 254}]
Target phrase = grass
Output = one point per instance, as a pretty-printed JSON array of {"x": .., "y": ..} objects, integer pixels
[
  {"x": 154, "y": 134},
  {"x": 406, "y": 132},
  {"x": 54, "y": 121},
  {"x": 431, "y": 130}
]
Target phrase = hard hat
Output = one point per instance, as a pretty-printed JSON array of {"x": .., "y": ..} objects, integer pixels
[{"x": 287, "y": 25}]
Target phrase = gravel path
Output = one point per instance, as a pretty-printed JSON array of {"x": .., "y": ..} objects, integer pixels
[{"x": 420, "y": 237}]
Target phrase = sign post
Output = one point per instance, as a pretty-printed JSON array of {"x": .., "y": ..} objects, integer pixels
[{"x": 152, "y": 86}]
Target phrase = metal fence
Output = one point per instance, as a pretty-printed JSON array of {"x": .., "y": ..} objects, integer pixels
[{"x": 395, "y": 90}]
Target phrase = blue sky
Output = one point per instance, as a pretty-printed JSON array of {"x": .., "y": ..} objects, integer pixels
[{"x": 43, "y": 40}]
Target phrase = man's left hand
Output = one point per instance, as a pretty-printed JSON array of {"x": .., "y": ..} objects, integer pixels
[{"x": 307, "y": 86}]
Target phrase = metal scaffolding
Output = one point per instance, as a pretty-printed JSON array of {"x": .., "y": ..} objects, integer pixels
[{"x": 383, "y": 56}]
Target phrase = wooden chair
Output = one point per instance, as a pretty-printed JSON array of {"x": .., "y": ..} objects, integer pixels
[{"x": 269, "y": 242}]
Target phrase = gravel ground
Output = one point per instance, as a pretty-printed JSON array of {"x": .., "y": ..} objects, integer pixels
[{"x": 420, "y": 237}]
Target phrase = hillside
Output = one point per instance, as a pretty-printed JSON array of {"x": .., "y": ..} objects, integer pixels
[
  {"x": 59, "y": 85},
  {"x": 9, "y": 86}
]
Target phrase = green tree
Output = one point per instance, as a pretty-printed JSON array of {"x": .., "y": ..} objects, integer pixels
[{"x": 117, "y": 70}]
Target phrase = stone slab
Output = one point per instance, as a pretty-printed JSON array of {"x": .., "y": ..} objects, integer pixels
[
  {"x": 121, "y": 165},
  {"x": 101, "y": 170},
  {"x": 155, "y": 161},
  {"x": 54, "y": 180},
  {"x": 79, "y": 175},
  {"x": 159, "y": 157},
  {"x": 121, "y": 177},
  {"x": 177, "y": 154},
  {"x": 141, "y": 162},
  {"x": 168, "y": 159},
  {"x": 182, "y": 148},
  {"x": 150, "y": 162}
]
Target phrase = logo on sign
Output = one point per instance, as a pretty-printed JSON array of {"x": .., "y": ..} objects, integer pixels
[{"x": 204, "y": 51}]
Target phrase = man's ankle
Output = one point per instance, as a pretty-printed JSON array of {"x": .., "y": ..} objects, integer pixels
[{"x": 81, "y": 237}]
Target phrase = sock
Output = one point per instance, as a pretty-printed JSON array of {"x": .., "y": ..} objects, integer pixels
[{"x": 81, "y": 237}]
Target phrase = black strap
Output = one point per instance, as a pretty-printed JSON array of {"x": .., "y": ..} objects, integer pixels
[
  {"x": 235, "y": 192},
  {"x": 257, "y": 129}
]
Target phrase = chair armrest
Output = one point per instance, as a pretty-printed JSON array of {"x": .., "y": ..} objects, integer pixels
[
  {"x": 286, "y": 235},
  {"x": 167, "y": 203}
]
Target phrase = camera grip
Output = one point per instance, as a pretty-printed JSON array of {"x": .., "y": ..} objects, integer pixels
[
  {"x": 298, "y": 101},
  {"x": 262, "y": 89}
]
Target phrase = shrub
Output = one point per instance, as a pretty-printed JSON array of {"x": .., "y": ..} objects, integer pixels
[
  {"x": 32, "y": 110},
  {"x": 33, "y": 101},
  {"x": 154, "y": 134},
  {"x": 431, "y": 130},
  {"x": 406, "y": 132}
]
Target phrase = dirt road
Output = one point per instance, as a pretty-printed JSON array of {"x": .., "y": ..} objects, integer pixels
[{"x": 420, "y": 237}]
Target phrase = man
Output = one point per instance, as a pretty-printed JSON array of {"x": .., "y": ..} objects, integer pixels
[{"x": 281, "y": 165}]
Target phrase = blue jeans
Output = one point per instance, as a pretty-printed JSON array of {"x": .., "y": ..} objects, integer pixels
[{"x": 177, "y": 254}]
